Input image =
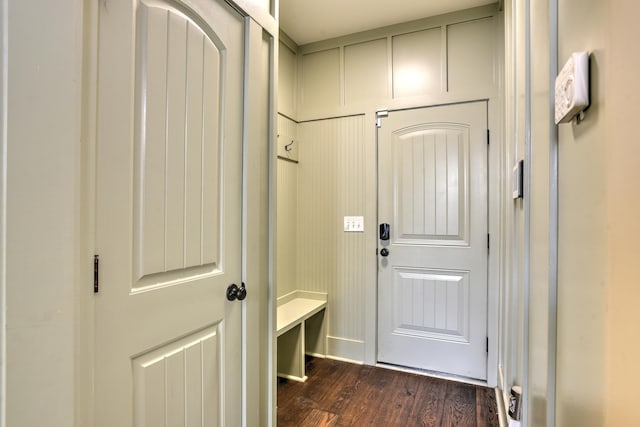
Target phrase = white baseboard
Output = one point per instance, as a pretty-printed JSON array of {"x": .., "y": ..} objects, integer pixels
[
  {"x": 346, "y": 350},
  {"x": 317, "y": 355},
  {"x": 292, "y": 377}
]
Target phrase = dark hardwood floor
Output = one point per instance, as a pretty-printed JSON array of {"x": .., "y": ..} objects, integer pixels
[{"x": 345, "y": 394}]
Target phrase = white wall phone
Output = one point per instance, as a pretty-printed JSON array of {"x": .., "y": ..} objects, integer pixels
[{"x": 572, "y": 88}]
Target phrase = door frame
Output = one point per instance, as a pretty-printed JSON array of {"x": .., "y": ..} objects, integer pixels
[
  {"x": 257, "y": 22},
  {"x": 498, "y": 181},
  {"x": 4, "y": 71},
  {"x": 477, "y": 155}
]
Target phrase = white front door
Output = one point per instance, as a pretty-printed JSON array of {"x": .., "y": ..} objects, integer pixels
[
  {"x": 168, "y": 213},
  {"x": 432, "y": 281}
]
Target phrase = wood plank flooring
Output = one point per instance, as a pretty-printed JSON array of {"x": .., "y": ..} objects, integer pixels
[{"x": 345, "y": 394}]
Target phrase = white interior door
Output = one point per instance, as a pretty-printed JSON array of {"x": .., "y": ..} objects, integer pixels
[
  {"x": 432, "y": 283},
  {"x": 168, "y": 213}
]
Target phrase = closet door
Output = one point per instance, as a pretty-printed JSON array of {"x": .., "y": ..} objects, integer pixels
[{"x": 168, "y": 213}]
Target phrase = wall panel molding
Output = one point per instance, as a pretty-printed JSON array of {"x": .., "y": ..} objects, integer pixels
[
  {"x": 3, "y": 207},
  {"x": 424, "y": 62}
]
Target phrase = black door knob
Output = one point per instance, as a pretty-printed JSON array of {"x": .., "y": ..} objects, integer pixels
[
  {"x": 384, "y": 252},
  {"x": 232, "y": 292},
  {"x": 236, "y": 293},
  {"x": 242, "y": 292}
]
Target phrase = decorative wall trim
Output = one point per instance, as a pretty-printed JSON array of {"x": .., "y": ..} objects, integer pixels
[
  {"x": 4, "y": 53},
  {"x": 406, "y": 27},
  {"x": 526, "y": 269},
  {"x": 553, "y": 220},
  {"x": 360, "y": 72}
]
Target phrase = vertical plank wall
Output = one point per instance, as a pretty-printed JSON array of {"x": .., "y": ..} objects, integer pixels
[
  {"x": 332, "y": 179},
  {"x": 287, "y": 209}
]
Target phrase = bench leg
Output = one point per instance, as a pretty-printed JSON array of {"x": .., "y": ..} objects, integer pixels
[
  {"x": 315, "y": 335},
  {"x": 291, "y": 354}
]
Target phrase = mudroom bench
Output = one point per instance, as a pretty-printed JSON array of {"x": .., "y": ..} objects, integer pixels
[{"x": 300, "y": 330}]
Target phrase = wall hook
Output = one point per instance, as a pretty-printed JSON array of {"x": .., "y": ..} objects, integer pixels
[{"x": 289, "y": 147}]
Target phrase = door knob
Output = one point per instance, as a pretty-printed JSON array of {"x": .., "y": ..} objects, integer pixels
[
  {"x": 236, "y": 293},
  {"x": 232, "y": 292},
  {"x": 384, "y": 252},
  {"x": 242, "y": 292}
]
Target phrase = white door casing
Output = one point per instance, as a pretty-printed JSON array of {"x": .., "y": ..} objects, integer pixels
[
  {"x": 432, "y": 286},
  {"x": 168, "y": 213}
]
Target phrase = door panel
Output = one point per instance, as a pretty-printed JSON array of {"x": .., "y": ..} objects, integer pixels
[
  {"x": 179, "y": 381},
  {"x": 431, "y": 162},
  {"x": 168, "y": 213},
  {"x": 438, "y": 306},
  {"x": 433, "y": 283},
  {"x": 177, "y": 182}
]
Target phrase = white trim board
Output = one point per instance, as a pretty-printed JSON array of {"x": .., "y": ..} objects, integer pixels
[{"x": 4, "y": 28}]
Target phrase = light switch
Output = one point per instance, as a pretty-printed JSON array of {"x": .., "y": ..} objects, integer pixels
[{"x": 354, "y": 223}]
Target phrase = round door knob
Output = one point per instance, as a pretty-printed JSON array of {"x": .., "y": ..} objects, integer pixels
[
  {"x": 232, "y": 292},
  {"x": 384, "y": 252},
  {"x": 242, "y": 292}
]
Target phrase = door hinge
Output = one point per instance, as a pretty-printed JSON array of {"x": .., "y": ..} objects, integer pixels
[
  {"x": 487, "y": 344},
  {"x": 379, "y": 115},
  {"x": 488, "y": 136},
  {"x": 96, "y": 270},
  {"x": 488, "y": 242}
]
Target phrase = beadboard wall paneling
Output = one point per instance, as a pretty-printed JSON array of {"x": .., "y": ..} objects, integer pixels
[
  {"x": 287, "y": 215},
  {"x": 332, "y": 181},
  {"x": 286, "y": 223}
]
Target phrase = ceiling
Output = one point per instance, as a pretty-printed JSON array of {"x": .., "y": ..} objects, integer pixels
[{"x": 307, "y": 21}]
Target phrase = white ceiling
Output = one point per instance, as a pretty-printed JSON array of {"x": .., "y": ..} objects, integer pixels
[{"x": 307, "y": 21}]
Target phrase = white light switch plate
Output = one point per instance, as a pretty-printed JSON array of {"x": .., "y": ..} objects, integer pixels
[{"x": 354, "y": 223}]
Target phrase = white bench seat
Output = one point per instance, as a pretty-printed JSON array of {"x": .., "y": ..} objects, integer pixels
[{"x": 295, "y": 311}]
